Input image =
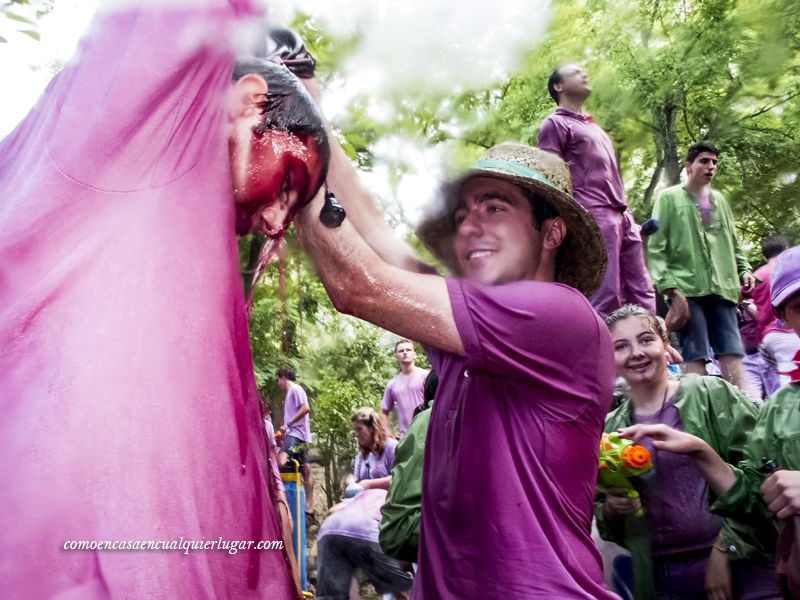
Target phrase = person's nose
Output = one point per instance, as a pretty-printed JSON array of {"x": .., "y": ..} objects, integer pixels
[
  {"x": 273, "y": 218},
  {"x": 471, "y": 225}
]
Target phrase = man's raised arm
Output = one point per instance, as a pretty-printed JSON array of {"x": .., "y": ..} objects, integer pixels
[{"x": 362, "y": 212}]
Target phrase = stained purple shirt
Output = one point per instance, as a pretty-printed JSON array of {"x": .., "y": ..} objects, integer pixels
[
  {"x": 674, "y": 495},
  {"x": 295, "y": 398},
  {"x": 130, "y": 409},
  {"x": 405, "y": 393},
  {"x": 374, "y": 466},
  {"x": 533, "y": 389},
  {"x": 588, "y": 152},
  {"x": 360, "y": 518}
]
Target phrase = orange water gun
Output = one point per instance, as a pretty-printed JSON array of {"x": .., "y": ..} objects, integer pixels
[{"x": 620, "y": 461}]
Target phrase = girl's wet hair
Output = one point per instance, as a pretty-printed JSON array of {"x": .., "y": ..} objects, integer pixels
[{"x": 634, "y": 310}]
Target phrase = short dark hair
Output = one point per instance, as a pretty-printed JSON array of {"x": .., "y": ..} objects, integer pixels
[
  {"x": 697, "y": 149},
  {"x": 287, "y": 373},
  {"x": 403, "y": 341},
  {"x": 555, "y": 78},
  {"x": 287, "y": 107},
  {"x": 773, "y": 245},
  {"x": 541, "y": 210}
]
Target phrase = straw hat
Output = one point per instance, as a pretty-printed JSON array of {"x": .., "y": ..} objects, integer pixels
[{"x": 583, "y": 255}]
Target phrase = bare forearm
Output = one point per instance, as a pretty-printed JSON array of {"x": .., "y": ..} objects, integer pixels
[
  {"x": 360, "y": 283},
  {"x": 362, "y": 212},
  {"x": 381, "y": 483}
]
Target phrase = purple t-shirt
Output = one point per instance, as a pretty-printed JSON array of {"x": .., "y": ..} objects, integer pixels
[
  {"x": 295, "y": 398},
  {"x": 533, "y": 388},
  {"x": 360, "y": 518},
  {"x": 588, "y": 152},
  {"x": 405, "y": 392},
  {"x": 374, "y": 466},
  {"x": 674, "y": 495}
]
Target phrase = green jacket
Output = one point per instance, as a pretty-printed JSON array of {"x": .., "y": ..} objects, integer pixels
[
  {"x": 720, "y": 414},
  {"x": 775, "y": 436},
  {"x": 399, "y": 529},
  {"x": 686, "y": 255}
]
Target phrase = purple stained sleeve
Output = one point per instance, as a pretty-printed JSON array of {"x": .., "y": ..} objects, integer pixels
[{"x": 552, "y": 136}]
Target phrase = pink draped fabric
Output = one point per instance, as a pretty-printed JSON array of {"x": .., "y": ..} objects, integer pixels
[{"x": 128, "y": 403}]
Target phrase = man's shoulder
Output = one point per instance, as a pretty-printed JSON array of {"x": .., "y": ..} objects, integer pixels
[
  {"x": 297, "y": 389},
  {"x": 673, "y": 191}
]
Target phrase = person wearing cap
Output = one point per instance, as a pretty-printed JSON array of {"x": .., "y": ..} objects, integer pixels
[
  {"x": 696, "y": 261},
  {"x": 767, "y": 481},
  {"x": 597, "y": 186},
  {"x": 778, "y": 343},
  {"x": 523, "y": 360}
]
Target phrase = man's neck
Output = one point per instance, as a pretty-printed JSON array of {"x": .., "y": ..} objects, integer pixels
[
  {"x": 697, "y": 188},
  {"x": 407, "y": 369},
  {"x": 571, "y": 104}
]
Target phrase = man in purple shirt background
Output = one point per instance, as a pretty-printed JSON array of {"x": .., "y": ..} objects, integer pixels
[
  {"x": 597, "y": 186},
  {"x": 524, "y": 361},
  {"x": 296, "y": 430},
  {"x": 404, "y": 392}
]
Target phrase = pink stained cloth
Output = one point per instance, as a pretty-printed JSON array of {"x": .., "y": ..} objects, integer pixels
[{"x": 126, "y": 386}]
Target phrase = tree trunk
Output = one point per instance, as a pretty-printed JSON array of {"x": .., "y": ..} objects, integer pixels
[{"x": 667, "y": 142}]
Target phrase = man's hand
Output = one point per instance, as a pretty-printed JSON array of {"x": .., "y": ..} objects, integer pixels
[
  {"x": 618, "y": 503},
  {"x": 718, "y": 576},
  {"x": 678, "y": 314},
  {"x": 283, "y": 429},
  {"x": 781, "y": 493},
  {"x": 666, "y": 438},
  {"x": 749, "y": 281}
]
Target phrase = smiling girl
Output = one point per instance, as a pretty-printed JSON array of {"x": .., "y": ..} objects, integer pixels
[{"x": 680, "y": 550}]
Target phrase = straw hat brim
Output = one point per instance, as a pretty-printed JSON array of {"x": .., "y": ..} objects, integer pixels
[{"x": 583, "y": 257}]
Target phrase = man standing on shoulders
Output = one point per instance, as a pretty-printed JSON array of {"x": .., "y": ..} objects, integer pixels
[
  {"x": 296, "y": 430},
  {"x": 696, "y": 261},
  {"x": 597, "y": 186},
  {"x": 404, "y": 392}
]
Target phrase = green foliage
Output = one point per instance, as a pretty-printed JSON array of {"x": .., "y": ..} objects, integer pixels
[
  {"x": 665, "y": 75},
  {"x": 343, "y": 363}
]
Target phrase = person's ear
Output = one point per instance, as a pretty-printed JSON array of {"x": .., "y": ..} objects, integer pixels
[
  {"x": 246, "y": 95},
  {"x": 553, "y": 233}
]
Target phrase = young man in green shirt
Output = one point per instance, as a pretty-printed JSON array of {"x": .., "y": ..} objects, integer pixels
[{"x": 695, "y": 260}]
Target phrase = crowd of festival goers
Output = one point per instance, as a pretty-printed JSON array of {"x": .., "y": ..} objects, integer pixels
[{"x": 130, "y": 409}]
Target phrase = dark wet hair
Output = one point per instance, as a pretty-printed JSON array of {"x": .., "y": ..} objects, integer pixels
[
  {"x": 287, "y": 107},
  {"x": 697, "y": 149},
  {"x": 634, "y": 310},
  {"x": 773, "y": 245},
  {"x": 555, "y": 78},
  {"x": 429, "y": 388},
  {"x": 287, "y": 373},
  {"x": 541, "y": 210}
]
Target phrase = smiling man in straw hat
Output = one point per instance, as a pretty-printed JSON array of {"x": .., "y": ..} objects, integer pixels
[{"x": 523, "y": 359}]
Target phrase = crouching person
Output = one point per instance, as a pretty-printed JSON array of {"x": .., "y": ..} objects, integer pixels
[{"x": 348, "y": 540}]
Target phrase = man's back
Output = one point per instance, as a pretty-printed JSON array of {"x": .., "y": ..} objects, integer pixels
[{"x": 514, "y": 438}]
